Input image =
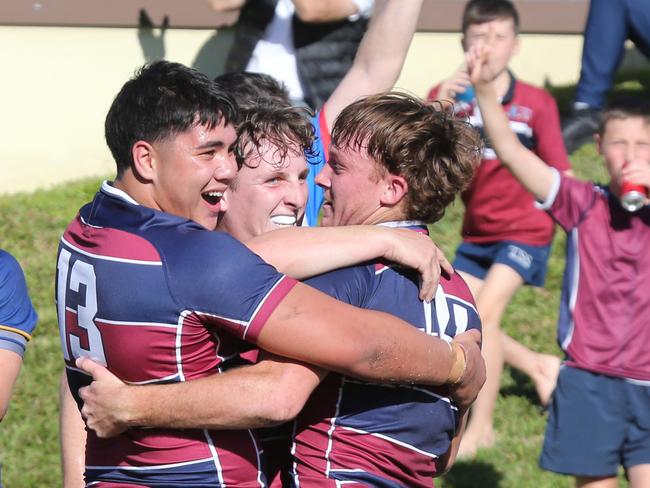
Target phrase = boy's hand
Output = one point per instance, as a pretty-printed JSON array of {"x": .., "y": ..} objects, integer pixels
[
  {"x": 476, "y": 58},
  {"x": 458, "y": 83},
  {"x": 637, "y": 172}
]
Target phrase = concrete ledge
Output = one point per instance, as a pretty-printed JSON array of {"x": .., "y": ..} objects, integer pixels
[{"x": 537, "y": 16}]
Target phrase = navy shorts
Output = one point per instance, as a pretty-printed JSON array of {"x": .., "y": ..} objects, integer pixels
[
  {"x": 596, "y": 423},
  {"x": 527, "y": 260}
]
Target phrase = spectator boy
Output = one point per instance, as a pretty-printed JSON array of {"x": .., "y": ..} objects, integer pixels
[
  {"x": 599, "y": 417},
  {"x": 506, "y": 240}
]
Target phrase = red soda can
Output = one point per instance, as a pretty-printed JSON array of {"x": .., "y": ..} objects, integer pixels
[{"x": 633, "y": 196}]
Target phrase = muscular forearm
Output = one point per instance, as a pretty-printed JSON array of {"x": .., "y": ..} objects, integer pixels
[
  {"x": 324, "y": 10},
  {"x": 303, "y": 252},
  {"x": 381, "y": 54},
  {"x": 362, "y": 343},
  {"x": 262, "y": 395}
]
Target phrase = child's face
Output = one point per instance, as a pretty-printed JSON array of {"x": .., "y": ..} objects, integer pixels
[
  {"x": 624, "y": 141},
  {"x": 505, "y": 44}
]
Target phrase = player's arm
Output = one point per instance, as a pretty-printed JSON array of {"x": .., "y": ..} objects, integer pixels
[
  {"x": 380, "y": 56},
  {"x": 72, "y": 435},
  {"x": 303, "y": 252},
  {"x": 318, "y": 11},
  {"x": 340, "y": 337},
  {"x": 264, "y": 394},
  {"x": 362, "y": 343},
  {"x": 526, "y": 166},
  {"x": 227, "y": 5},
  {"x": 11, "y": 363}
]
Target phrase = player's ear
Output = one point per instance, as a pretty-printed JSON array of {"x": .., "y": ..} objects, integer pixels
[
  {"x": 395, "y": 191},
  {"x": 144, "y": 160}
]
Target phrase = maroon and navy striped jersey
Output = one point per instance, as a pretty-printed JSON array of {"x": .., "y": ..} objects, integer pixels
[
  {"x": 369, "y": 434},
  {"x": 157, "y": 299}
]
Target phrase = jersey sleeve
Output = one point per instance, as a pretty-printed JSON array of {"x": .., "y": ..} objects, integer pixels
[
  {"x": 220, "y": 280},
  {"x": 350, "y": 285},
  {"x": 316, "y": 159},
  {"x": 17, "y": 315},
  {"x": 546, "y": 128},
  {"x": 569, "y": 200}
]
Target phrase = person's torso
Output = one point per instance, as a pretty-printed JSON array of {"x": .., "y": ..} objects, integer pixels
[
  {"x": 125, "y": 299},
  {"x": 604, "y": 325},
  {"x": 374, "y": 434}
]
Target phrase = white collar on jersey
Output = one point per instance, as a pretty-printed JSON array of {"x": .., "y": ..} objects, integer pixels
[
  {"x": 111, "y": 190},
  {"x": 402, "y": 223}
]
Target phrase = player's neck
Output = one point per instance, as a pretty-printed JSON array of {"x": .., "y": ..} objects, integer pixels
[
  {"x": 129, "y": 184},
  {"x": 386, "y": 214}
]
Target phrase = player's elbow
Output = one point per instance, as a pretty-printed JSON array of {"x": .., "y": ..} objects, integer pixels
[{"x": 283, "y": 408}]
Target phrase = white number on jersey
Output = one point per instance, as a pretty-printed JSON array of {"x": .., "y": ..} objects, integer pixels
[{"x": 81, "y": 274}]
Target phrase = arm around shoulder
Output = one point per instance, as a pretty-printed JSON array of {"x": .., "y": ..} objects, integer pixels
[{"x": 362, "y": 343}]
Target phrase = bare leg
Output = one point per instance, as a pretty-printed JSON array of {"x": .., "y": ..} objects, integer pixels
[
  {"x": 492, "y": 296},
  {"x": 639, "y": 476},
  {"x": 583, "y": 482},
  {"x": 542, "y": 369}
]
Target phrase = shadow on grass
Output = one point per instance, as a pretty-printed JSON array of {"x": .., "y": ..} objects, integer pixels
[
  {"x": 470, "y": 474},
  {"x": 520, "y": 385}
]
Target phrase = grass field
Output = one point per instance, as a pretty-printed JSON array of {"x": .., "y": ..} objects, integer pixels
[{"x": 30, "y": 226}]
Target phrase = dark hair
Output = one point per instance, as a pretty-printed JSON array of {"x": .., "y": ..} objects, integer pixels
[
  {"x": 624, "y": 107},
  {"x": 285, "y": 128},
  {"x": 482, "y": 11},
  {"x": 161, "y": 100},
  {"x": 433, "y": 150},
  {"x": 251, "y": 89}
]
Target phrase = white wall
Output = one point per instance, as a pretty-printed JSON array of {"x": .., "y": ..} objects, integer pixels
[{"x": 59, "y": 82}]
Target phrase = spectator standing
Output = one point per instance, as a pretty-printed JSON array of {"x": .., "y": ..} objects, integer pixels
[
  {"x": 609, "y": 24},
  {"x": 506, "y": 240},
  {"x": 309, "y": 45},
  {"x": 599, "y": 417}
]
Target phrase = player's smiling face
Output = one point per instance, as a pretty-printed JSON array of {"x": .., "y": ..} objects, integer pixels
[
  {"x": 269, "y": 193},
  {"x": 192, "y": 170},
  {"x": 353, "y": 188}
]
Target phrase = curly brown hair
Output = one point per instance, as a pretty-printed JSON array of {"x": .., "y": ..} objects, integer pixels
[
  {"x": 284, "y": 128},
  {"x": 432, "y": 149}
]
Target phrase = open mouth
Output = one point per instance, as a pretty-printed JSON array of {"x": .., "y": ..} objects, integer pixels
[
  {"x": 284, "y": 220},
  {"x": 212, "y": 197}
]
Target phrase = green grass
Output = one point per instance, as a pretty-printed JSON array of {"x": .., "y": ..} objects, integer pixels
[{"x": 30, "y": 226}]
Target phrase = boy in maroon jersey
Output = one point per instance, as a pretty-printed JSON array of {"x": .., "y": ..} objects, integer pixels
[
  {"x": 506, "y": 240},
  {"x": 599, "y": 417}
]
